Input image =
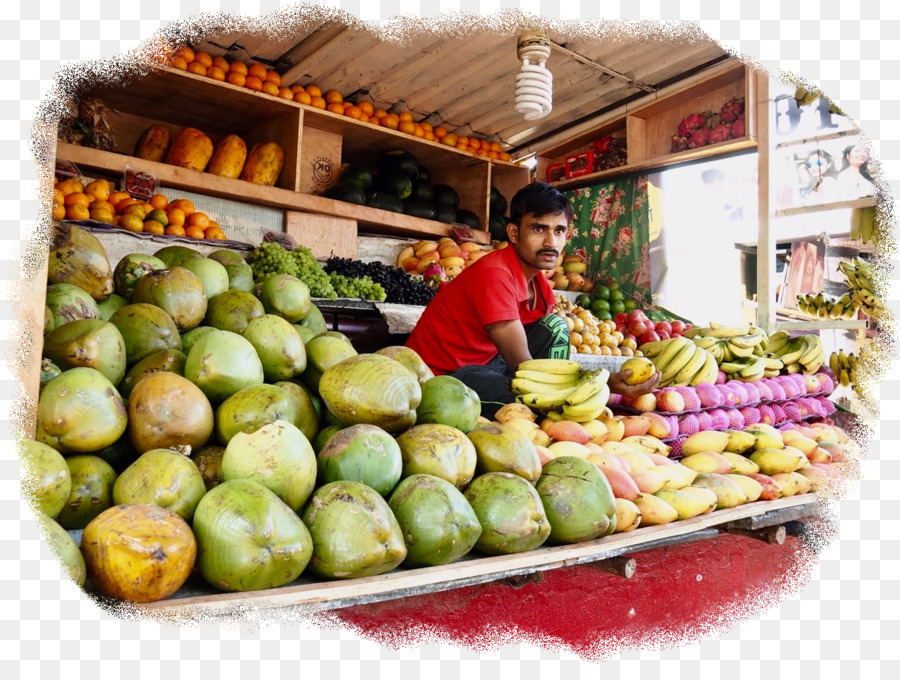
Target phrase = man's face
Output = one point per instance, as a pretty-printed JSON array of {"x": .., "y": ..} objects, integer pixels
[{"x": 539, "y": 239}]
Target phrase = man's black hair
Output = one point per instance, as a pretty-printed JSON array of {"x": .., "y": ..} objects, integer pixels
[{"x": 539, "y": 198}]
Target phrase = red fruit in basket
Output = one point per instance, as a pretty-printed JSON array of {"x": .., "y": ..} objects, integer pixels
[
  {"x": 637, "y": 328},
  {"x": 699, "y": 137},
  {"x": 738, "y": 128},
  {"x": 720, "y": 133},
  {"x": 732, "y": 110},
  {"x": 678, "y": 327},
  {"x": 649, "y": 336},
  {"x": 663, "y": 326},
  {"x": 691, "y": 123}
]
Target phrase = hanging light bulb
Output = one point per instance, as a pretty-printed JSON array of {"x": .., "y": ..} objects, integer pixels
[{"x": 534, "y": 83}]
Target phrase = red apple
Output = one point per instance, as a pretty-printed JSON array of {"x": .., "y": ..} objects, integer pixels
[
  {"x": 663, "y": 335},
  {"x": 637, "y": 327},
  {"x": 636, "y": 315},
  {"x": 664, "y": 326},
  {"x": 649, "y": 336},
  {"x": 678, "y": 327},
  {"x": 620, "y": 318}
]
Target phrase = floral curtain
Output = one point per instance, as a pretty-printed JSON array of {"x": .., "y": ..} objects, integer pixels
[{"x": 611, "y": 230}]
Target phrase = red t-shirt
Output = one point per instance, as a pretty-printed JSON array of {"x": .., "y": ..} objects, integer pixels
[{"x": 451, "y": 332}]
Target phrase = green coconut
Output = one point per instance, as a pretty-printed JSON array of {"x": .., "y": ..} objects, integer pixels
[
  {"x": 354, "y": 532},
  {"x": 67, "y": 302},
  {"x": 438, "y": 523},
  {"x": 323, "y": 351},
  {"x": 438, "y": 450},
  {"x": 370, "y": 388},
  {"x": 409, "y": 358},
  {"x": 164, "y": 478},
  {"x": 248, "y": 539},
  {"x": 314, "y": 320},
  {"x": 65, "y": 548},
  {"x": 232, "y": 310},
  {"x": 110, "y": 305},
  {"x": 223, "y": 363},
  {"x": 286, "y": 296},
  {"x": 190, "y": 338},
  {"x": 449, "y": 401},
  {"x": 131, "y": 269},
  {"x": 120, "y": 454},
  {"x": 146, "y": 329},
  {"x": 166, "y": 410},
  {"x": 174, "y": 255},
  {"x": 46, "y": 481},
  {"x": 92, "y": 484},
  {"x": 227, "y": 257},
  {"x": 276, "y": 455},
  {"x": 510, "y": 512},
  {"x": 88, "y": 342},
  {"x": 577, "y": 499},
  {"x": 278, "y": 345},
  {"x": 325, "y": 434},
  {"x": 251, "y": 407},
  {"x": 208, "y": 460},
  {"x": 240, "y": 277},
  {"x": 361, "y": 453},
  {"x": 50, "y": 324},
  {"x": 502, "y": 448},
  {"x": 307, "y": 415},
  {"x": 212, "y": 275},
  {"x": 80, "y": 411},
  {"x": 176, "y": 290},
  {"x": 78, "y": 257},
  {"x": 168, "y": 360}
]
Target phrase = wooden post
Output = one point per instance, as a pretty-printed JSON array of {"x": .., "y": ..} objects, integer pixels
[
  {"x": 619, "y": 566},
  {"x": 772, "y": 535}
]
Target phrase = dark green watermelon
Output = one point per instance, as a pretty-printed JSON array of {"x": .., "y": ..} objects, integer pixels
[
  {"x": 468, "y": 218},
  {"x": 359, "y": 175},
  {"x": 419, "y": 208},
  {"x": 399, "y": 161},
  {"x": 394, "y": 183},
  {"x": 347, "y": 192},
  {"x": 384, "y": 201},
  {"x": 446, "y": 195}
]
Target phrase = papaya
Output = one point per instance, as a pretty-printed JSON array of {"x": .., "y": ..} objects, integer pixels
[
  {"x": 153, "y": 144},
  {"x": 264, "y": 163},
  {"x": 228, "y": 157},
  {"x": 191, "y": 148}
]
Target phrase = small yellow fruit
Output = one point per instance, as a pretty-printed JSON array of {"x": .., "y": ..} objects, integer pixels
[{"x": 642, "y": 369}]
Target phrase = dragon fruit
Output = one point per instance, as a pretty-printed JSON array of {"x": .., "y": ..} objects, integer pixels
[
  {"x": 738, "y": 128},
  {"x": 732, "y": 110},
  {"x": 679, "y": 143},
  {"x": 720, "y": 133},
  {"x": 434, "y": 274},
  {"x": 693, "y": 122},
  {"x": 699, "y": 137}
]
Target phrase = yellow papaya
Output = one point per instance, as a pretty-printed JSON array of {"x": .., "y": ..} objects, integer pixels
[
  {"x": 153, "y": 144},
  {"x": 228, "y": 157},
  {"x": 264, "y": 163},
  {"x": 191, "y": 148}
]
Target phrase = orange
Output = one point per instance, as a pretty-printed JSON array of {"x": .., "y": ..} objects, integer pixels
[
  {"x": 258, "y": 70},
  {"x": 215, "y": 73},
  {"x": 70, "y": 186},
  {"x": 117, "y": 196},
  {"x": 391, "y": 120},
  {"x": 406, "y": 115},
  {"x": 462, "y": 140},
  {"x": 194, "y": 232},
  {"x": 158, "y": 201},
  {"x": 176, "y": 217},
  {"x": 495, "y": 146},
  {"x": 203, "y": 58},
  {"x": 153, "y": 227},
  {"x": 286, "y": 93},
  {"x": 418, "y": 130},
  {"x": 222, "y": 63},
  {"x": 353, "y": 112},
  {"x": 253, "y": 83},
  {"x": 124, "y": 203},
  {"x": 320, "y": 103},
  {"x": 77, "y": 198},
  {"x": 99, "y": 188},
  {"x": 333, "y": 97},
  {"x": 347, "y": 104},
  {"x": 184, "y": 204},
  {"x": 270, "y": 88},
  {"x": 493, "y": 154},
  {"x": 334, "y": 107},
  {"x": 212, "y": 225},
  {"x": 97, "y": 204},
  {"x": 215, "y": 233},
  {"x": 59, "y": 198},
  {"x": 78, "y": 212},
  {"x": 185, "y": 53},
  {"x": 198, "y": 219},
  {"x": 429, "y": 135},
  {"x": 238, "y": 67},
  {"x": 131, "y": 223},
  {"x": 180, "y": 63},
  {"x": 59, "y": 212},
  {"x": 174, "y": 230},
  {"x": 297, "y": 88},
  {"x": 380, "y": 113},
  {"x": 406, "y": 126},
  {"x": 302, "y": 97},
  {"x": 236, "y": 78},
  {"x": 505, "y": 156},
  {"x": 196, "y": 67},
  {"x": 367, "y": 108},
  {"x": 440, "y": 131},
  {"x": 364, "y": 118},
  {"x": 449, "y": 139},
  {"x": 313, "y": 90},
  {"x": 103, "y": 215},
  {"x": 274, "y": 77},
  {"x": 136, "y": 209}
]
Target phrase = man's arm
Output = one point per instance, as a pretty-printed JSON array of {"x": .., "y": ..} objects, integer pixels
[{"x": 511, "y": 342}]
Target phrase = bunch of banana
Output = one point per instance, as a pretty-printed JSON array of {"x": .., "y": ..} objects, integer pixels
[
  {"x": 560, "y": 385},
  {"x": 823, "y": 306},
  {"x": 844, "y": 367},
  {"x": 805, "y": 97},
  {"x": 746, "y": 369},
  {"x": 727, "y": 343},
  {"x": 859, "y": 278},
  {"x": 681, "y": 362},
  {"x": 862, "y": 223},
  {"x": 802, "y": 354}
]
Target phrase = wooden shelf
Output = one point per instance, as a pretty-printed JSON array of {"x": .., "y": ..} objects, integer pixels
[
  {"x": 821, "y": 325},
  {"x": 197, "y": 600},
  {"x": 378, "y": 221},
  {"x": 863, "y": 202}
]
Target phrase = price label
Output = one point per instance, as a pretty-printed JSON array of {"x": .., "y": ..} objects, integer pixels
[
  {"x": 140, "y": 184},
  {"x": 283, "y": 239}
]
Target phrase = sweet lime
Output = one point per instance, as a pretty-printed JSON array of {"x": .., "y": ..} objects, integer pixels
[{"x": 601, "y": 292}]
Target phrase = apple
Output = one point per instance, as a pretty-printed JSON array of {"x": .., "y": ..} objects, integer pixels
[
  {"x": 636, "y": 315},
  {"x": 678, "y": 327},
  {"x": 663, "y": 326},
  {"x": 637, "y": 328},
  {"x": 620, "y": 318},
  {"x": 663, "y": 335},
  {"x": 649, "y": 336}
]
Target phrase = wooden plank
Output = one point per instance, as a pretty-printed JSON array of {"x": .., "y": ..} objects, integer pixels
[
  {"x": 377, "y": 221},
  {"x": 862, "y": 202},
  {"x": 324, "y": 235},
  {"x": 403, "y": 582}
]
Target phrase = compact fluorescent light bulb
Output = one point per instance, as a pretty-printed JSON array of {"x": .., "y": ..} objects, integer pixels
[{"x": 534, "y": 83}]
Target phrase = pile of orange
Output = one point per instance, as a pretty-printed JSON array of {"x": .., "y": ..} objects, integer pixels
[
  {"x": 100, "y": 202},
  {"x": 260, "y": 79}
]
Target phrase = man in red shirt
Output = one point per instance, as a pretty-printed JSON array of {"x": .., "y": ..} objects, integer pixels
[{"x": 499, "y": 312}]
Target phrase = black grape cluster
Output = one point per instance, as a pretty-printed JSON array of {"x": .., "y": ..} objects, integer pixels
[
  {"x": 399, "y": 287},
  {"x": 363, "y": 287}
]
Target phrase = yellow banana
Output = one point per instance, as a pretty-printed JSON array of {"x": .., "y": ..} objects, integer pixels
[
  {"x": 708, "y": 373},
  {"x": 589, "y": 409},
  {"x": 588, "y": 387},
  {"x": 560, "y": 379},
  {"x": 672, "y": 348},
  {"x": 679, "y": 362},
  {"x": 556, "y": 366},
  {"x": 695, "y": 364},
  {"x": 524, "y": 386}
]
